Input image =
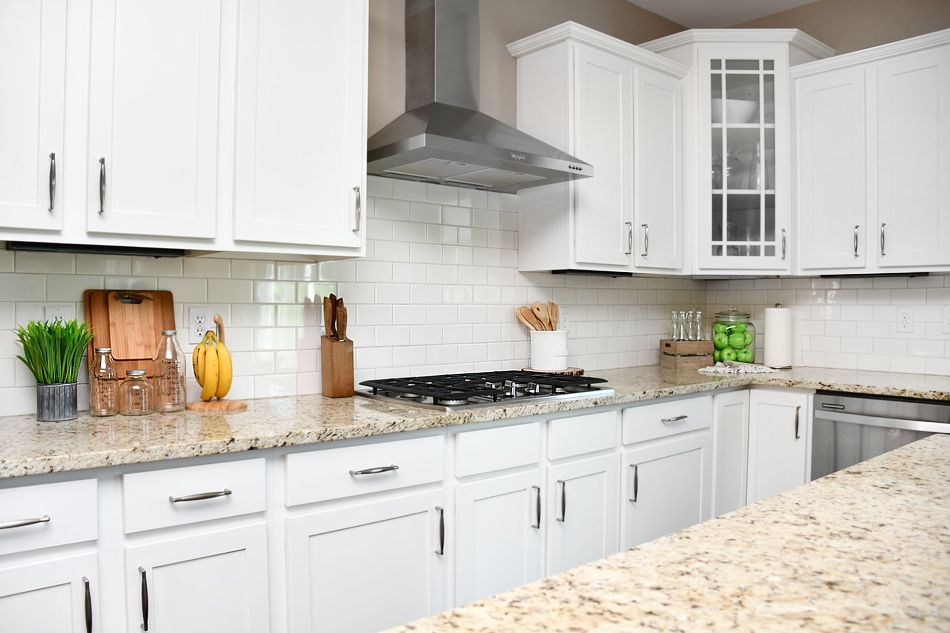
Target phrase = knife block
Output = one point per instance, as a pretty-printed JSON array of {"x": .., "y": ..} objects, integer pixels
[{"x": 337, "y": 360}]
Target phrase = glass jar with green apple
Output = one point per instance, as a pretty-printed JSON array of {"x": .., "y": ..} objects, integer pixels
[{"x": 733, "y": 336}]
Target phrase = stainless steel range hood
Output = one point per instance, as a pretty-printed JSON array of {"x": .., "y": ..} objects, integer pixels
[{"x": 442, "y": 137}]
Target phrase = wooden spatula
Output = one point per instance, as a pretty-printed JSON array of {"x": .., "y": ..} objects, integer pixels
[
  {"x": 526, "y": 316},
  {"x": 553, "y": 315},
  {"x": 541, "y": 311}
]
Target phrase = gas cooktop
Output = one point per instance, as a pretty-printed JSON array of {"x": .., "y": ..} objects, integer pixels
[{"x": 451, "y": 392}]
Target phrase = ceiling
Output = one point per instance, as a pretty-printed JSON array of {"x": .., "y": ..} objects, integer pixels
[{"x": 715, "y": 14}]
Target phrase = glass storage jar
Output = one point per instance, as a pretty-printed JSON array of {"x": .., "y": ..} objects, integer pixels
[
  {"x": 103, "y": 381},
  {"x": 169, "y": 374},
  {"x": 733, "y": 336},
  {"x": 135, "y": 393}
]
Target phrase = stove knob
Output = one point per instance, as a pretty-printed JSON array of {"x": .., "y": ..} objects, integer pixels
[{"x": 533, "y": 388}]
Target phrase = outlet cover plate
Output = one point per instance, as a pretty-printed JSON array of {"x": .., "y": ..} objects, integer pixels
[{"x": 199, "y": 322}]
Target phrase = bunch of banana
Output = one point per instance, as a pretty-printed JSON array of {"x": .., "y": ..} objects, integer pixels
[{"x": 211, "y": 361}]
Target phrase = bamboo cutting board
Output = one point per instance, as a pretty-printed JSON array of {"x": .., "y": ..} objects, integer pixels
[{"x": 130, "y": 322}]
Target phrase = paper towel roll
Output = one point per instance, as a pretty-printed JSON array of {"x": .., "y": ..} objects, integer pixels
[{"x": 778, "y": 337}]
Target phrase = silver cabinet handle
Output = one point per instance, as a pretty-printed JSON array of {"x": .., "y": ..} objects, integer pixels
[
  {"x": 52, "y": 181},
  {"x": 636, "y": 482},
  {"x": 856, "y": 239},
  {"x": 537, "y": 508},
  {"x": 797, "y": 412},
  {"x": 882, "y": 239},
  {"x": 359, "y": 209},
  {"x": 629, "y": 226},
  {"x": 646, "y": 240},
  {"x": 24, "y": 522},
  {"x": 201, "y": 496},
  {"x": 102, "y": 185},
  {"x": 675, "y": 418},
  {"x": 563, "y": 500},
  {"x": 441, "y": 550},
  {"x": 87, "y": 604},
  {"x": 375, "y": 471},
  {"x": 783, "y": 243},
  {"x": 144, "y": 599}
]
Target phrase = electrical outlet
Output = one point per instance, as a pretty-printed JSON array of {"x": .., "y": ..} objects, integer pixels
[
  {"x": 60, "y": 314},
  {"x": 564, "y": 318},
  {"x": 905, "y": 319},
  {"x": 946, "y": 319},
  {"x": 199, "y": 322}
]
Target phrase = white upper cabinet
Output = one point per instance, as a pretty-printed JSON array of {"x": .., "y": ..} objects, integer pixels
[
  {"x": 618, "y": 108},
  {"x": 737, "y": 183},
  {"x": 153, "y": 117},
  {"x": 873, "y": 151},
  {"x": 301, "y": 141},
  {"x": 32, "y": 94}
]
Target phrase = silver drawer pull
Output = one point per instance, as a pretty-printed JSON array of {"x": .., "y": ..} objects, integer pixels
[
  {"x": 441, "y": 550},
  {"x": 359, "y": 209},
  {"x": 201, "y": 496},
  {"x": 537, "y": 508},
  {"x": 24, "y": 522},
  {"x": 52, "y": 181},
  {"x": 374, "y": 471},
  {"x": 102, "y": 185},
  {"x": 563, "y": 516},
  {"x": 675, "y": 418}
]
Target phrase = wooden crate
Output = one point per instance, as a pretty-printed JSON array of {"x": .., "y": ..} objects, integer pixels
[{"x": 685, "y": 354}]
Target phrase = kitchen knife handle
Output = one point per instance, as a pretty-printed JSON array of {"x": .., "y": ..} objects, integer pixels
[
  {"x": 537, "y": 508},
  {"x": 102, "y": 185},
  {"x": 201, "y": 496},
  {"x": 856, "y": 239},
  {"x": 629, "y": 238},
  {"x": 441, "y": 550},
  {"x": 87, "y": 604},
  {"x": 797, "y": 415},
  {"x": 144, "y": 599},
  {"x": 636, "y": 482},
  {"x": 883, "y": 224},
  {"x": 359, "y": 209},
  {"x": 563, "y": 500},
  {"x": 646, "y": 240},
  {"x": 783, "y": 243},
  {"x": 24, "y": 522},
  {"x": 374, "y": 471},
  {"x": 52, "y": 181}
]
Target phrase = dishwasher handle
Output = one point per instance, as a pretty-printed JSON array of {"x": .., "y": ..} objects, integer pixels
[{"x": 887, "y": 423}]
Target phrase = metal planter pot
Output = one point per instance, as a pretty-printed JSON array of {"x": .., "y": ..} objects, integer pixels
[{"x": 56, "y": 403}]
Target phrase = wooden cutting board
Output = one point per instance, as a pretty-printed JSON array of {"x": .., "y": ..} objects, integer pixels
[{"x": 130, "y": 322}]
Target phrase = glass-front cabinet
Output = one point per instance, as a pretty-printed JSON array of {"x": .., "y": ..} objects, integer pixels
[{"x": 737, "y": 190}]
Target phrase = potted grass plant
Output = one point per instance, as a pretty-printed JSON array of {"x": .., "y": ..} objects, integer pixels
[{"x": 52, "y": 351}]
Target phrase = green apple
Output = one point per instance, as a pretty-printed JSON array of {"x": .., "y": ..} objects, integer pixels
[
  {"x": 719, "y": 328},
  {"x": 738, "y": 327},
  {"x": 744, "y": 355},
  {"x": 720, "y": 340},
  {"x": 748, "y": 338},
  {"x": 717, "y": 355},
  {"x": 728, "y": 354},
  {"x": 736, "y": 340}
]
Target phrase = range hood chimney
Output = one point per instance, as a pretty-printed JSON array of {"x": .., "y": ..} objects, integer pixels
[{"x": 443, "y": 138}]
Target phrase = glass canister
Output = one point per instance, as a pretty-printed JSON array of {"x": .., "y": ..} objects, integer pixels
[
  {"x": 169, "y": 374},
  {"x": 136, "y": 396},
  {"x": 733, "y": 336},
  {"x": 103, "y": 381}
]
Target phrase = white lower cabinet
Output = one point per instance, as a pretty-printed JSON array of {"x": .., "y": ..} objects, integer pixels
[
  {"x": 200, "y": 583},
  {"x": 56, "y": 594},
  {"x": 779, "y": 429},
  {"x": 667, "y": 468},
  {"x": 730, "y": 451}
]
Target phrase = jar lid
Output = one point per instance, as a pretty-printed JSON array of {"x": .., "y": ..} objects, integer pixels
[
  {"x": 102, "y": 350},
  {"x": 135, "y": 372},
  {"x": 732, "y": 314},
  {"x": 169, "y": 332}
]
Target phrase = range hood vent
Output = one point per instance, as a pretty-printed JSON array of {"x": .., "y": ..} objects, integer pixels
[{"x": 442, "y": 137}]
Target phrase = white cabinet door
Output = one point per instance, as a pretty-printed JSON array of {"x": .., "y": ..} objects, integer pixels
[
  {"x": 659, "y": 208},
  {"x": 499, "y": 535},
  {"x": 301, "y": 141},
  {"x": 603, "y": 216},
  {"x": 778, "y": 441},
  {"x": 153, "y": 118},
  {"x": 831, "y": 167},
  {"x": 32, "y": 101},
  {"x": 366, "y": 567},
  {"x": 215, "y": 581},
  {"x": 731, "y": 450},
  {"x": 913, "y": 160},
  {"x": 52, "y": 595},
  {"x": 582, "y": 517},
  {"x": 667, "y": 487}
]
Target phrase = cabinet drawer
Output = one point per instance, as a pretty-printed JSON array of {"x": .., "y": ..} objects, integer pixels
[
  {"x": 663, "y": 419},
  {"x": 177, "y": 496},
  {"x": 356, "y": 470},
  {"x": 496, "y": 449},
  {"x": 69, "y": 513},
  {"x": 582, "y": 434}
]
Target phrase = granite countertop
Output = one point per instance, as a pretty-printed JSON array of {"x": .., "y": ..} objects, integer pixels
[
  {"x": 863, "y": 549},
  {"x": 28, "y": 447}
]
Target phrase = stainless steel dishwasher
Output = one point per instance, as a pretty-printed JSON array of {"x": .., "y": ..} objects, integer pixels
[{"x": 852, "y": 428}]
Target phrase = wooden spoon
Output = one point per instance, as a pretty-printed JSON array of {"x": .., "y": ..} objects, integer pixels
[
  {"x": 554, "y": 315},
  {"x": 541, "y": 311},
  {"x": 526, "y": 316}
]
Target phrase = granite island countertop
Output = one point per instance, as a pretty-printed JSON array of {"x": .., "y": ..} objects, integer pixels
[
  {"x": 863, "y": 549},
  {"x": 28, "y": 447}
]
